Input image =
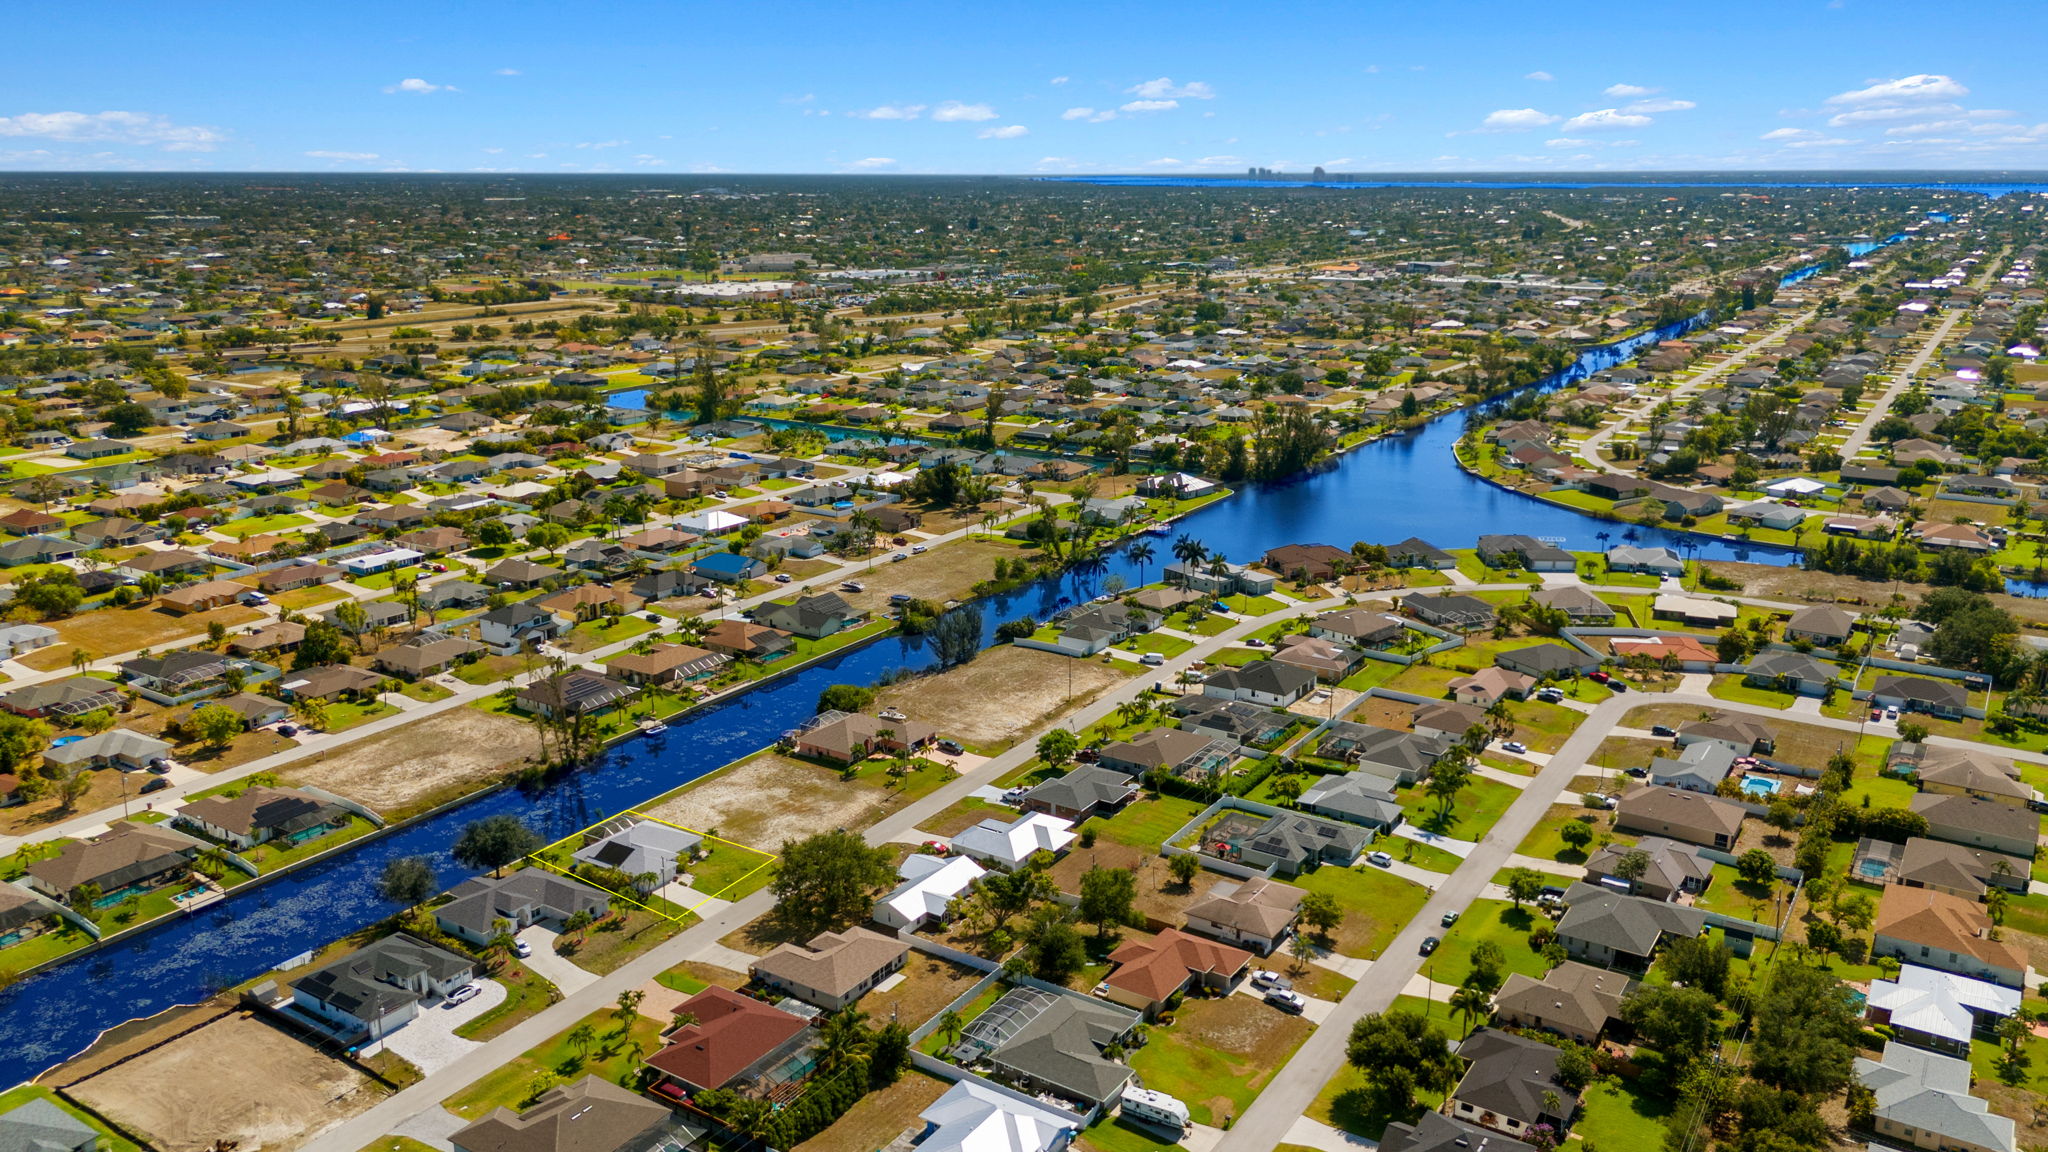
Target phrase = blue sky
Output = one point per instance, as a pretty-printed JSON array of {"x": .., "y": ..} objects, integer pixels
[{"x": 1054, "y": 86}]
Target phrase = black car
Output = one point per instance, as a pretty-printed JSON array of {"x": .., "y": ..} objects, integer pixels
[
  {"x": 951, "y": 747},
  {"x": 156, "y": 785},
  {"x": 1429, "y": 945}
]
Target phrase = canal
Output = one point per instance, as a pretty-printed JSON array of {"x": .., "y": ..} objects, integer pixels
[{"x": 1383, "y": 491}]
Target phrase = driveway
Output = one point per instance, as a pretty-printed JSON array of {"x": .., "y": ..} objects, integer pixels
[
  {"x": 566, "y": 976},
  {"x": 430, "y": 1042}
]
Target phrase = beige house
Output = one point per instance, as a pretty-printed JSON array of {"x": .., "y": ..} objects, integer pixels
[
  {"x": 1693, "y": 817},
  {"x": 834, "y": 969}
]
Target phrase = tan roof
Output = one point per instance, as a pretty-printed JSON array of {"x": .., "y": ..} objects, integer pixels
[
  {"x": 833, "y": 963},
  {"x": 1945, "y": 921},
  {"x": 1574, "y": 994},
  {"x": 1682, "y": 810},
  {"x": 1258, "y": 906},
  {"x": 662, "y": 658},
  {"x": 1157, "y": 968}
]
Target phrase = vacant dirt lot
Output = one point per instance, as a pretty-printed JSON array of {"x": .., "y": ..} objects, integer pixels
[
  {"x": 1798, "y": 584},
  {"x": 947, "y": 572},
  {"x": 113, "y": 631},
  {"x": 421, "y": 764},
  {"x": 1003, "y": 694},
  {"x": 238, "y": 1079},
  {"x": 763, "y": 801}
]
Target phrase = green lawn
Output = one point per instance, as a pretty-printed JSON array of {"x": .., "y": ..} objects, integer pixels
[
  {"x": 1545, "y": 843},
  {"x": 1164, "y": 645},
  {"x": 1372, "y": 674},
  {"x": 729, "y": 865},
  {"x": 1423, "y": 855},
  {"x": 272, "y": 857},
  {"x": 1184, "y": 1062},
  {"x": 426, "y": 690},
  {"x": 1475, "y": 809},
  {"x": 15, "y": 1097},
  {"x": 38, "y": 949},
  {"x": 385, "y": 578},
  {"x": 343, "y": 715},
  {"x": 1619, "y": 1116},
  {"x": 1146, "y": 823},
  {"x": 1729, "y": 895},
  {"x": 1881, "y": 791},
  {"x": 1497, "y": 921},
  {"x": 610, "y": 1056},
  {"x": 678, "y": 980},
  {"x": 1377, "y": 904},
  {"x": 526, "y": 994},
  {"x": 1732, "y": 688},
  {"x": 255, "y": 525}
]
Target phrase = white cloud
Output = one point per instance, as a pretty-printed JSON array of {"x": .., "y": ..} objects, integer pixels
[
  {"x": 1566, "y": 142},
  {"x": 418, "y": 87},
  {"x": 1920, "y": 86},
  {"x": 1091, "y": 115},
  {"x": 1058, "y": 80},
  {"x": 1603, "y": 119},
  {"x": 1006, "y": 132},
  {"x": 1165, "y": 89},
  {"x": 1666, "y": 105},
  {"x": 1148, "y": 106},
  {"x": 1205, "y": 162},
  {"x": 114, "y": 127},
  {"x": 891, "y": 112},
  {"x": 703, "y": 167},
  {"x": 1932, "y": 127},
  {"x": 328, "y": 154},
  {"x": 1516, "y": 120},
  {"x": 1803, "y": 138},
  {"x": 1884, "y": 112},
  {"x": 510, "y": 72},
  {"x": 1625, "y": 91},
  {"x": 872, "y": 162},
  {"x": 953, "y": 111},
  {"x": 1539, "y": 74}
]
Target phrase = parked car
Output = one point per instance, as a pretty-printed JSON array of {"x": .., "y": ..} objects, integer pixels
[
  {"x": 287, "y": 730},
  {"x": 255, "y": 599},
  {"x": 1268, "y": 979},
  {"x": 1381, "y": 859},
  {"x": 1663, "y": 730},
  {"x": 1515, "y": 746},
  {"x": 899, "y": 556},
  {"x": 1639, "y": 772},
  {"x": 853, "y": 586},
  {"x": 1151, "y": 659},
  {"x": 1877, "y": 713},
  {"x": 522, "y": 949},
  {"x": 1293, "y": 1003},
  {"x": 1450, "y": 918},
  {"x": 1014, "y": 795},
  {"x": 1429, "y": 945},
  {"x": 1551, "y": 695},
  {"x": 901, "y": 598},
  {"x": 156, "y": 785},
  {"x": 951, "y": 747},
  {"x": 920, "y": 550},
  {"x": 1891, "y": 713},
  {"x": 1617, "y": 684},
  {"x": 782, "y": 577},
  {"x": 461, "y": 995}
]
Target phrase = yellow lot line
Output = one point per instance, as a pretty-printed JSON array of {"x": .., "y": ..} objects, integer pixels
[{"x": 768, "y": 859}]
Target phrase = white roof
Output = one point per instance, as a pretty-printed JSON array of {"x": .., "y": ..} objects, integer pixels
[
  {"x": 930, "y": 883},
  {"x": 387, "y": 558},
  {"x": 714, "y": 520},
  {"x": 1796, "y": 485},
  {"x": 1014, "y": 842},
  {"x": 973, "y": 1117},
  {"x": 1939, "y": 1003}
]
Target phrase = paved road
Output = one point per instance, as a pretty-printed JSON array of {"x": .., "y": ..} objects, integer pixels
[
  {"x": 1295, "y": 1086},
  {"x": 1860, "y": 435}
]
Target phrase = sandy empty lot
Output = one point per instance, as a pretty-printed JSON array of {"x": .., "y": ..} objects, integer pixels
[
  {"x": 947, "y": 572},
  {"x": 236, "y": 1079},
  {"x": 429, "y": 760},
  {"x": 1004, "y": 693},
  {"x": 769, "y": 799}
]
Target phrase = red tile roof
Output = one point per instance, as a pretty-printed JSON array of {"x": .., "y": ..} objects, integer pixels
[{"x": 732, "y": 1031}]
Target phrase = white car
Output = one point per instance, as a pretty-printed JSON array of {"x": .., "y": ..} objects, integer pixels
[
  {"x": 522, "y": 949},
  {"x": 1515, "y": 746},
  {"x": 1265, "y": 979},
  {"x": 1381, "y": 859},
  {"x": 1290, "y": 1002},
  {"x": 461, "y": 995}
]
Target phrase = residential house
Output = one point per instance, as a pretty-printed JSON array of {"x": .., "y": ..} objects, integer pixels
[
  {"x": 1922, "y": 1100},
  {"x": 834, "y": 969},
  {"x": 261, "y": 814},
  {"x": 377, "y": 989},
  {"x": 578, "y": 691},
  {"x": 1739, "y": 734},
  {"x": 665, "y": 665},
  {"x": 1364, "y": 798},
  {"x": 1255, "y": 914},
  {"x": 1670, "y": 869},
  {"x": 1436, "y": 1132},
  {"x": 508, "y": 630},
  {"x": 929, "y": 886},
  {"x": 1941, "y": 930},
  {"x": 1488, "y": 685},
  {"x": 1089, "y": 790},
  {"x": 1789, "y": 671},
  {"x": 1289, "y": 843},
  {"x": 1694, "y": 610},
  {"x": 426, "y": 654},
  {"x": 1699, "y": 767},
  {"x": 1051, "y": 1042},
  {"x": 1964, "y": 819},
  {"x": 1147, "y": 973},
  {"x": 973, "y": 1117},
  {"x": 1609, "y": 928},
  {"x": 728, "y": 567},
  {"x": 1573, "y": 1000},
  {"x": 732, "y": 1038},
  {"x": 1950, "y": 771},
  {"x": 1822, "y": 625},
  {"x": 38, "y": 1124},
  {"x": 649, "y": 853},
  {"x": 1524, "y": 552},
  {"x": 1929, "y": 1008},
  {"x": 1009, "y": 844},
  {"x": 813, "y": 617},
  {"x": 1265, "y": 682},
  {"x": 72, "y": 696},
  {"x": 174, "y": 673},
  {"x": 1581, "y": 607},
  {"x": 741, "y": 638},
  {"x": 1656, "y": 561},
  {"x": 1689, "y": 816},
  {"x": 1446, "y": 720},
  {"x": 587, "y": 1115},
  {"x": 1452, "y": 610},
  {"x": 522, "y": 899},
  {"x": 330, "y": 682},
  {"x": 1511, "y": 1085},
  {"x": 113, "y": 748},
  {"x": 1177, "y": 752},
  {"x": 1947, "y": 699},
  {"x": 1547, "y": 661},
  {"x": 129, "y": 856},
  {"x": 845, "y": 737}
]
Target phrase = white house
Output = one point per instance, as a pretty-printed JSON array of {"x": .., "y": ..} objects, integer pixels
[
  {"x": 974, "y": 1116},
  {"x": 929, "y": 885},
  {"x": 1009, "y": 845}
]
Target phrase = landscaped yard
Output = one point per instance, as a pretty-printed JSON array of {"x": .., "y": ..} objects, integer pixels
[
  {"x": 1618, "y": 1116},
  {"x": 526, "y": 993},
  {"x": 1146, "y": 823},
  {"x": 621, "y": 938},
  {"x": 1219, "y": 1053},
  {"x": 1545, "y": 842},
  {"x": 731, "y": 870},
  {"x": 1495, "y": 921},
  {"x": 610, "y": 1056},
  {"x": 1474, "y": 810},
  {"x": 1732, "y": 688},
  {"x": 1377, "y": 904}
]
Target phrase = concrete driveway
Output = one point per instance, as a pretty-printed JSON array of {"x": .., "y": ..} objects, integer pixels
[
  {"x": 430, "y": 1042},
  {"x": 564, "y": 975}
]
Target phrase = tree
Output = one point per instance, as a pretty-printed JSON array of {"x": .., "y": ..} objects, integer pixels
[
  {"x": 1321, "y": 911},
  {"x": 216, "y": 725},
  {"x": 1005, "y": 895},
  {"x": 20, "y": 739},
  {"x": 1682, "y": 1024},
  {"x": 956, "y": 636},
  {"x": 491, "y": 533},
  {"x": 581, "y": 1038},
  {"x": 494, "y": 842},
  {"x": 846, "y": 698},
  {"x": 1488, "y": 961},
  {"x": 548, "y": 536},
  {"x": 73, "y": 788},
  {"x": 352, "y": 618},
  {"x": 1576, "y": 834},
  {"x": 1057, "y": 747},
  {"x": 1108, "y": 897},
  {"x": 1053, "y": 948},
  {"x": 1184, "y": 867},
  {"x": 1524, "y": 885},
  {"x": 1698, "y": 962},
  {"x": 323, "y": 644},
  {"x": 128, "y": 419},
  {"x": 1807, "y": 1030},
  {"x": 1471, "y": 1002},
  {"x": 1632, "y": 865},
  {"x": 1446, "y": 780},
  {"x": 1757, "y": 867},
  {"x": 828, "y": 878},
  {"x": 1399, "y": 1053},
  {"x": 627, "y": 1007},
  {"x": 407, "y": 880},
  {"x": 85, "y": 900}
]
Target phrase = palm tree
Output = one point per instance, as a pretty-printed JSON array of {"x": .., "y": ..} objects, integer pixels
[
  {"x": 1470, "y": 1002},
  {"x": 950, "y": 1025},
  {"x": 1141, "y": 554},
  {"x": 1189, "y": 551}
]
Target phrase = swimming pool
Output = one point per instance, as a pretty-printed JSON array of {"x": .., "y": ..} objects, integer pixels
[
  {"x": 1873, "y": 868},
  {"x": 1760, "y": 785}
]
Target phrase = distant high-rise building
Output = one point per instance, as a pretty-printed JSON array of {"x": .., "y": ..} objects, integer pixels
[{"x": 1318, "y": 174}]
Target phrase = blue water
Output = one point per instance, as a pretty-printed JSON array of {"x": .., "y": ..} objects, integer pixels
[
  {"x": 1385, "y": 491},
  {"x": 1992, "y": 189}
]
